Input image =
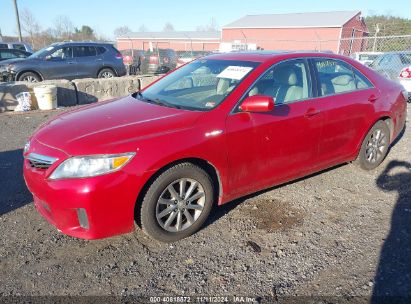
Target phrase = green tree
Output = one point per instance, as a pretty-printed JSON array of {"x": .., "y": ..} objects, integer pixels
[
  {"x": 84, "y": 33},
  {"x": 388, "y": 25}
]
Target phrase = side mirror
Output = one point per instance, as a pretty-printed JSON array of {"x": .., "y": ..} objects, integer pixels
[
  {"x": 48, "y": 57},
  {"x": 257, "y": 103}
]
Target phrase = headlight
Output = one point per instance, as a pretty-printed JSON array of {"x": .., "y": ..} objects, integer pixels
[
  {"x": 87, "y": 166},
  {"x": 26, "y": 147}
]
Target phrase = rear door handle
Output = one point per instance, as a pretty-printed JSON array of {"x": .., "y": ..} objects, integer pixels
[
  {"x": 71, "y": 62},
  {"x": 311, "y": 112},
  {"x": 372, "y": 98},
  {"x": 99, "y": 59}
]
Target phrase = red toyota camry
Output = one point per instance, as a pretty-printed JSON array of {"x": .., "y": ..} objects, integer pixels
[{"x": 211, "y": 131}]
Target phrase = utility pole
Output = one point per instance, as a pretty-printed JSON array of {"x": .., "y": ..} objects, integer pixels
[{"x": 16, "y": 10}]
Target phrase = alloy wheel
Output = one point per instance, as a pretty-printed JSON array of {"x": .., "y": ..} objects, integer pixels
[
  {"x": 107, "y": 75},
  {"x": 30, "y": 79},
  {"x": 376, "y": 146},
  {"x": 180, "y": 204}
]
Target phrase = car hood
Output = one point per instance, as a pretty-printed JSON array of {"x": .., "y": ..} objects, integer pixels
[
  {"x": 115, "y": 126},
  {"x": 14, "y": 61}
]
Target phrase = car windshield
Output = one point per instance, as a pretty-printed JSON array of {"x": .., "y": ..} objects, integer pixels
[
  {"x": 201, "y": 85},
  {"x": 42, "y": 53}
]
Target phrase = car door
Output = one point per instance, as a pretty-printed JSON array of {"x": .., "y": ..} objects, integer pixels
[
  {"x": 59, "y": 64},
  {"x": 270, "y": 148},
  {"x": 87, "y": 62},
  {"x": 346, "y": 98}
]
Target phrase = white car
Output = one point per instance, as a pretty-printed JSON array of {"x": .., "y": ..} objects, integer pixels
[
  {"x": 366, "y": 58},
  {"x": 405, "y": 79}
]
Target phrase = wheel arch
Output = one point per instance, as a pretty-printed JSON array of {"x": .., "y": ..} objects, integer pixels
[
  {"x": 208, "y": 167},
  {"x": 385, "y": 118},
  {"x": 107, "y": 67},
  {"x": 29, "y": 71}
]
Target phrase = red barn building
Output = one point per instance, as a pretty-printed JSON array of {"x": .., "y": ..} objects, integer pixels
[{"x": 322, "y": 31}]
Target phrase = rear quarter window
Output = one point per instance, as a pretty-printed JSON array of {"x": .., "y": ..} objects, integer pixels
[{"x": 100, "y": 50}]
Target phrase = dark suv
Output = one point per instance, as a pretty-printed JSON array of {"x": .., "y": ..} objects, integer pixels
[{"x": 67, "y": 60}]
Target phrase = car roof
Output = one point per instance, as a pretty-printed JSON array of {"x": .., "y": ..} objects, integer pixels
[
  {"x": 263, "y": 56},
  {"x": 85, "y": 43}
]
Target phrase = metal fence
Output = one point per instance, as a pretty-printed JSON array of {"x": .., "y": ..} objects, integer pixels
[{"x": 391, "y": 52}]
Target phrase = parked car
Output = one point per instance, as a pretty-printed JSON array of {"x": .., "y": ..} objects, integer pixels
[
  {"x": 395, "y": 66},
  {"x": 366, "y": 58},
  {"x": 67, "y": 60},
  {"x": 405, "y": 79},
  {"x": 16, "y": 45},
  {"x": 185, "y": 57},
  {"x": 165, "y": 155},
  {"x": 137, "y": 60},
  {"x": 390, "y": 64},
  {"x": 161, "y": 61},
  {"x": 12, "y": 53}
]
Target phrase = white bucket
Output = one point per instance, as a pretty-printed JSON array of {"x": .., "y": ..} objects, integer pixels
[{"x": 46, "y": 96}]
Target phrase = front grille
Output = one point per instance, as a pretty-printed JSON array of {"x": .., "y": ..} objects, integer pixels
[{"x": 40, "y": 161}]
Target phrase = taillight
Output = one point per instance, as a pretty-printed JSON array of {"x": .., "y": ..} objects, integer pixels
[
  {"x": 405, "y": 72},
  {"x": 119, "y": 56}
]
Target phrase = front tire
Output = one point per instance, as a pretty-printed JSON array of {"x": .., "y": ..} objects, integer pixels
[
  {"x": 177, "y": 203},
  {"x": 375, "y": 146},
  {"x": 106, "y": 73}
]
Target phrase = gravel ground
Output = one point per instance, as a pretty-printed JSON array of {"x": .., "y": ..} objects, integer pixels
[{"x": 343, "y": 234}]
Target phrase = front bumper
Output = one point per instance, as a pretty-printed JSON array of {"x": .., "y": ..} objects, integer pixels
[
  {"x": 88, "y": 208},
  {"x": 6, "y": 76}
]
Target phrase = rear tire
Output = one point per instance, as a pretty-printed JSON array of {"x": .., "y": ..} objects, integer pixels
[
  {"x": 374, "y": 147},
  {"x": 106, "y": 73},
  {"x": 177, "y": 203},
  {"x": 29, "y": 77}
]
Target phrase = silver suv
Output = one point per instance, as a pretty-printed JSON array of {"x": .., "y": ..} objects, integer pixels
[
  {"x": 67, "y": 60},
  {"x": 16, "y": 45}
]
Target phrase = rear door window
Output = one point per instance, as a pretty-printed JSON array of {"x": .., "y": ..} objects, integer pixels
[
  {"x": 3, "y": 46},
  {"x": 84, "y": 51},
  {"x": 334, "y": 76}
]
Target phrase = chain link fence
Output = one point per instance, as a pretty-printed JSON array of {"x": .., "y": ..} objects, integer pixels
[{"x": 389, "y": 55}]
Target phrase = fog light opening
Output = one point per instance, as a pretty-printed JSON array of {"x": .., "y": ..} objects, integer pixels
[{"x": 82, "y": 218}]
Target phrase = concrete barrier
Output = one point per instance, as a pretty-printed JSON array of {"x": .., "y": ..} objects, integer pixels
[
  {"x": 78, "y": 91},
  {"x": 92, "y": 90}
]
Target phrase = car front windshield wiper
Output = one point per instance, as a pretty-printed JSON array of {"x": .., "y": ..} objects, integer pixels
[{"x": 157, "y": 101}]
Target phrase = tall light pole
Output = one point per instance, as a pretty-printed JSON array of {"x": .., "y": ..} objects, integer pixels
[{"x": 16, "y": 10}]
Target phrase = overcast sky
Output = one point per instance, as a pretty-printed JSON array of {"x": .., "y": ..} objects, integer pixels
[{"x": 106, "y": 15}]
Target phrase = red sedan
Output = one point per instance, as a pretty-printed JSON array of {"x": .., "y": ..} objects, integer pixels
[{"x": 211, "y": 131}]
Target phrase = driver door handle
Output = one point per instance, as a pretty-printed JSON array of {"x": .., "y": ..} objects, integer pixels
[
  {"x": 70, "y": 62},
  {"x": 311, "y": 112}
]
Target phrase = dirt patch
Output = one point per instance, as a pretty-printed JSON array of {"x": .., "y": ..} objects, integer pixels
[{"x": 272, "y": 215}]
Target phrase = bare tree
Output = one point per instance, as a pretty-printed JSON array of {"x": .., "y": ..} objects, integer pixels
[
  {"x": 143, "y": 28},
  {"x": 30, "y": 26},
  {"x": 168, "y": 27},
  {"x": 122, "y": 31},
  {"x": 212, "y": 26},
  {"x": 63, "y": 27}
]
